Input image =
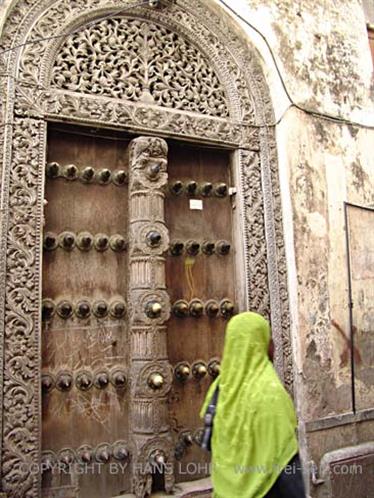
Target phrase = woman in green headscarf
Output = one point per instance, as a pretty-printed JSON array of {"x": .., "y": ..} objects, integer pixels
[{"x": 254, "y": 436}]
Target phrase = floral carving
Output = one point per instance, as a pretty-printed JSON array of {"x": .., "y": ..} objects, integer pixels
[
  {"x": 258, "y": 293},
  {"x": 139, "y": 61},
  {"x": 284, "y": 315},
  {"x": 124, "y": 114},
  {"x": 21, "y": 374}
]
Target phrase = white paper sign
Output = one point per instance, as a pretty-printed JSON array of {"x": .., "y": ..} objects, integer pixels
[{"x": 196, "y": 204}]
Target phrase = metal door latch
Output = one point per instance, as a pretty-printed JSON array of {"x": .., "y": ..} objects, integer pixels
[{"x": 316, "y": 480}]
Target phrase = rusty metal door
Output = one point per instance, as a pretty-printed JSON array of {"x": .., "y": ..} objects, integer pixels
[{"x": 138, "y": 283}]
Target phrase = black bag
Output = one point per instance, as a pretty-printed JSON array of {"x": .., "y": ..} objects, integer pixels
[{"x": 208, "y": 422}]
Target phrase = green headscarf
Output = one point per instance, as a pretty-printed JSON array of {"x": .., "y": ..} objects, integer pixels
[{"x": 254, "y": 427}]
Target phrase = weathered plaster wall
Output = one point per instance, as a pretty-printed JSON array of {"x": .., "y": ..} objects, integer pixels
[
  {"x": 322, "y": 52},
  {"x": 324, "y": 171},
  {"x": 321, "y": 49}
]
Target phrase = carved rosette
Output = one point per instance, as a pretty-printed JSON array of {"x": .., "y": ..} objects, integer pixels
[
  {"x": 142, "y": 299},
  {"x": 144, "y": 373},
  {"x": 141, "y": 235},
  {"x": 151, "y": 373}
]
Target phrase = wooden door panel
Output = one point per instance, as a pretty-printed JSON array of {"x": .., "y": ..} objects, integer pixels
[
  {"x": 102, "y": 274},
  {"x": 81, "y": 210},
  {"x": 91, "y": 415},
  {"x": 205, "y": 277},
  {"x": 85, "y": 354}
]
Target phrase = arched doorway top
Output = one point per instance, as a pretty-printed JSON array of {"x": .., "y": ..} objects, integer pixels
[
  {"x": 139, "y": 61},
  {"x": 213, "y": 60}
]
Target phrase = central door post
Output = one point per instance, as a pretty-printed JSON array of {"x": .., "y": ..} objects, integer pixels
[{"x": 150, "y": 371}]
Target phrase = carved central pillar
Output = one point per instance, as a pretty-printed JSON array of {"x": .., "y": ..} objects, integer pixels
[{"x": 151, "y": 374}]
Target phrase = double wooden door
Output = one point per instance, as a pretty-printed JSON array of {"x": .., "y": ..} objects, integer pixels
[{"x": 138, "y": 283}]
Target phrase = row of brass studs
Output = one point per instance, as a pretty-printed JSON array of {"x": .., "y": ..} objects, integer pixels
[
  {"x": 102, "y": 176},
  {"x": 186, "y": 438},
  {"x": 84, "y": 241},
  {"x": 198, "y": 370},
  {"x": 196, "y": 308},
  {"x": 205, "y": 189},
  {"x": 83, "y": 309},
  {"x": 84, "y": 380},
  {"x": 193, "y": 247},
  {"x": 102, "y": 242},
  {"x": 183, "y": 371},
  {"x": 86, "y": 454}
]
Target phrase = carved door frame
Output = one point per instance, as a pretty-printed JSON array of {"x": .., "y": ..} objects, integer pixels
[{"x": 29, "y": 102}]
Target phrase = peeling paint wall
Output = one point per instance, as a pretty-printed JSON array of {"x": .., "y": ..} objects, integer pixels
[
  {"x": 323, "y": 56},
  {"x": 322, "y": 52},
  {"x": 324, "y": 172},
  {"x": 321, "y": 49}
]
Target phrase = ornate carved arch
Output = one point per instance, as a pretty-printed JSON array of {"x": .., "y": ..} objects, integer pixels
[{"x": 237, "y": 105}]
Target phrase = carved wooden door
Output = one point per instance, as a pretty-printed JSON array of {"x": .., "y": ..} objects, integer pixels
[
  {"x": 202, "y": 287},
  {"x": 138, "y": 283},
  {"x": 85, "y": 320}
]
